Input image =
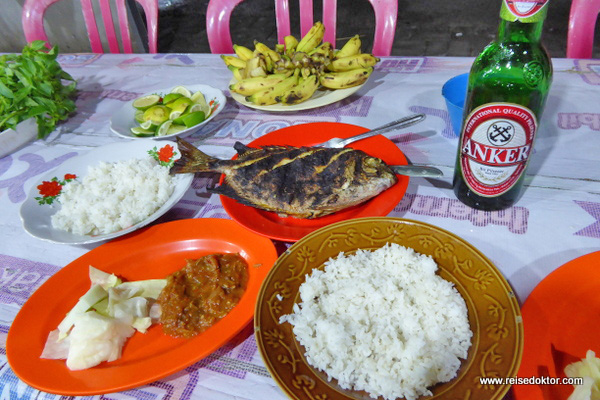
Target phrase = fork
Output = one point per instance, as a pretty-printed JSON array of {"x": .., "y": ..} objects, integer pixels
[{"x": 405, "y": 122}]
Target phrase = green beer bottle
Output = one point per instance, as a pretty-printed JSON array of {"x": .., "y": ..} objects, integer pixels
[{"x": 506, "y": 94}]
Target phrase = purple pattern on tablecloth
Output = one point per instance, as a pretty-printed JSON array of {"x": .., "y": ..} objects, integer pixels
[
  {"x": 589, "y": 71},
  {"x": 577, "y": 120},
  {"x": 19, "y": 278},
  {"x": 77, "y": 60},
  {"x": 401, "y": 65},
  {"x": 593, "y": 209},
  {"x": 447, "y": 132},
  {"x": 514, "y": 218},
  {"x": 181, "y": 57},
  {"x": 113, "y": 94},
  {"x": 37, "y": 166}
]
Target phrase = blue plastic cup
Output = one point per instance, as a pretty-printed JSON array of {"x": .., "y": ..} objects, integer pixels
[{"x": 455, "y": 91}]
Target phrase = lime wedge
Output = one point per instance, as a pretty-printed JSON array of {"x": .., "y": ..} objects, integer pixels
[
  {"x": 141, "y": 132},
  {"x": 148, "y": 125},
  {"x": 175, "y": 115},
  {"x": 139, "y": 116},
  {"x": 180, "y": 104},
  {"x": 199, "y": 107},
  {"x": 163, "y": 128},
  {"x": 198, "y": 97},
  {"x": 181, "y": 90},
  {"x": 175, "y": 128},
  {"x": 146, "y": 102},
  {"x": 193, "y": 119},
  {"x": 171, "y": 97},
  {"x": 157, "y": 114}
]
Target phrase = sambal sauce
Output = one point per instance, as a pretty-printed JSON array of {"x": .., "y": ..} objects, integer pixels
[{"x": 201, "y": 293}]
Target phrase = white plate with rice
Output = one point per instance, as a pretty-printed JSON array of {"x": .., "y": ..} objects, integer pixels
[
  {"x": 387, "y": 308},
  {"x": 118, "y": 188}
]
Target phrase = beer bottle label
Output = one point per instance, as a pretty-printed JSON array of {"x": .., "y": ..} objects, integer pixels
[
  {"x": 523, "y": 10},
  {"x": 496, "y": 141}
]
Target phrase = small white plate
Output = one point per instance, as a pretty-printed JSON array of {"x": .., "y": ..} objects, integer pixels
[
  {"x": 322, "y": 97},
  {"x": 37, "y": 218},
  {"x": 124, "y": 119}
]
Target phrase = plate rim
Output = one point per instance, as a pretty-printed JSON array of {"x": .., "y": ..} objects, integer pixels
[
  {"x": 127, "y": 108},
  {"x": 260, "y": 244},
  {"x": 403, "y": 180},
  {"x": 178, "y": 193},
  {"x": 498, "y": 395},
  {"x": 306, "y": 105}
]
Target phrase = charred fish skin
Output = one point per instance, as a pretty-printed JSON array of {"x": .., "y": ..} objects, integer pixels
[{"x": 304, "y": 182}]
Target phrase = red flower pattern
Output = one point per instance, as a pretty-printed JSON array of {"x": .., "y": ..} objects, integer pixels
[
  {"x": 165, "y": 153},
  {"x": 50, "y": 188}
]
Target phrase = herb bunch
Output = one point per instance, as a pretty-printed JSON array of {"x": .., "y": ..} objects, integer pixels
[{"x": 31, "y": 86}]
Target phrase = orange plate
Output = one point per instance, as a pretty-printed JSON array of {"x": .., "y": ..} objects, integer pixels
[
  {"x": 561, "y": 322},
  {"x": 154, "y": 252},
  {"x": 292, "y": 229}
]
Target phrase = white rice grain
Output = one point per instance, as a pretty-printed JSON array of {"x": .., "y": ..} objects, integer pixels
[
  {"x": 113, "y": 196},
  {"x": 382, "y": 321}
]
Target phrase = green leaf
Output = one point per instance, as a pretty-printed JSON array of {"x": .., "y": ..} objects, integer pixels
[{"x": 6, "y": 92}]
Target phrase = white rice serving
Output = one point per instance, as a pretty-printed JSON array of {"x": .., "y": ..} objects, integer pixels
[
  {"x": 382, "y": 321},
  {"x": 113, "y": 196}
]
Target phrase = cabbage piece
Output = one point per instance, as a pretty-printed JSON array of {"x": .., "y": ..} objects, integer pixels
[
  {"x": 142, "y": 324},
  {"x": 94, "y": 339},
  {"x": 589, "y": 369},
  {"x": 95, "y": 294},
  {"x": 102, "y": 278},
  {"x": 56, "y": 349},
  {"x": 147, "y": 288}
]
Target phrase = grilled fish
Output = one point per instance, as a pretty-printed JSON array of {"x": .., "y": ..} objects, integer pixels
[{"x": 304, "y": 182}]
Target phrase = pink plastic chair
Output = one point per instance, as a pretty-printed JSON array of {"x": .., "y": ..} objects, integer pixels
[
  {"x": 582, "y": 23},
  {"x": 33, "y": 23},
  {"x": 218, "y": 16}
]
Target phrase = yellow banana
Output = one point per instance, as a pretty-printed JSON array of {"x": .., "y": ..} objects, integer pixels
[
  {"x": 237, "y": 72},
  {"x": 345, "y": 79},
  {"x": 267, "y": 51},
  {"x": 324, "y": 49},
  {"x": 242, "y": 52},
  {"x": 301, "y": 92},
  {"x": 232, "y": 60},
  {"x": 256, "y": 66},
  {"x": 290, "y": 43},
  {"x": 249, "y": 86},
  {"x": 312, "y": 39},
  {"x": 351, "y": 47},
  {"x": 352, "y": 62},
  {"x": 269, "y": 95}
]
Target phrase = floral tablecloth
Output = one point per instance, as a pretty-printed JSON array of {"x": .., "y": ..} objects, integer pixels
[{"x": 556, "y": 220}]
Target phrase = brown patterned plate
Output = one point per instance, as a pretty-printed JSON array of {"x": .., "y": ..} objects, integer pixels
[{"x": 494, "y": 314}]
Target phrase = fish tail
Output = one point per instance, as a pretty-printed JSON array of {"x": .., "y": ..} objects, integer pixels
[{"x": 192, "y": 159}]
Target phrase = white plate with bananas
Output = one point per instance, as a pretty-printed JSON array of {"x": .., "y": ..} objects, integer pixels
[
  {"x": 321, "y": 97},
  {"x": 298, "y": 75},
  {"x": 169, "y": 112}
]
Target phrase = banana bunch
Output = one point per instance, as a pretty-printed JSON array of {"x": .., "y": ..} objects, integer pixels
[{"x": 293, "y": 71}]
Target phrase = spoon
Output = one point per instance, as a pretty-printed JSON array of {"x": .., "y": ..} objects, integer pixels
[
  {"x": 422, "y": 171},
  {"x": 338, "y": 143}
]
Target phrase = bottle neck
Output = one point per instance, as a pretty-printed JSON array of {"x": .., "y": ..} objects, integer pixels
[
  {"x": 516, "y": 31},
  {"x": 522, "y": 20}
]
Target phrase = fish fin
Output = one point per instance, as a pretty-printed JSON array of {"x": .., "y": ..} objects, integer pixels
[
  {"x": 192, "y": 159},
  {"x": 241, "y": 148}
]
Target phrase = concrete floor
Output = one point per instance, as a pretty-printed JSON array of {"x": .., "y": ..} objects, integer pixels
[{"x": 424, "y": 28}]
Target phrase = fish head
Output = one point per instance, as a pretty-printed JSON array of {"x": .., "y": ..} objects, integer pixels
[{"x": 376, "y": 174}]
